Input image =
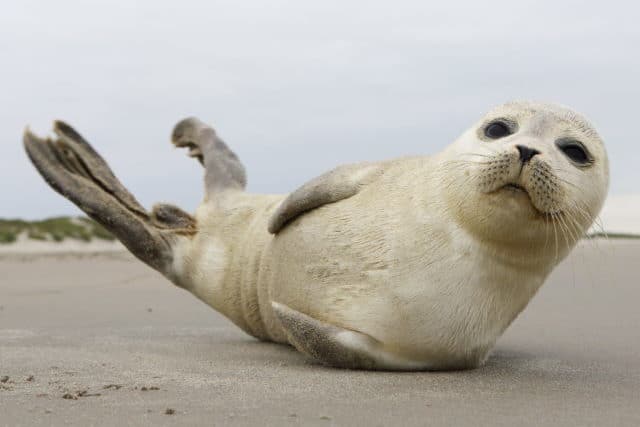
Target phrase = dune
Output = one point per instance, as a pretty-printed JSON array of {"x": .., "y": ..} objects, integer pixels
[{"x": 25, "y": 246}]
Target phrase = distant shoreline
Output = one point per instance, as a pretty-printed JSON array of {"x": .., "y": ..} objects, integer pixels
[
  {"x": 613, "y": 235},
  {"x": 82, "y": 234},
  {"x": 27, "y": 249}
]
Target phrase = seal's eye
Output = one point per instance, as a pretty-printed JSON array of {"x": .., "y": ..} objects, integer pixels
[
  {"x": 575, "y": 151},
  {"x": 497, "y": 129}
]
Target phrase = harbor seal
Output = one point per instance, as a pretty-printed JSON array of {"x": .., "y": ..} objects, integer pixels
[{"x": 416, "y": 263}]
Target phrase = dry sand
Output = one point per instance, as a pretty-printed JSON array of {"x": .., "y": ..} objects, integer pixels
[{"x": 103, "y": 340}]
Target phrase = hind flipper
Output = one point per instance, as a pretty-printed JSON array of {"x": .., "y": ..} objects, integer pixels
[
  {"x": 336, "y": 346},
  {"x": 223, "y": 169},
  {"x": 339, "y": 184},
  {"x": 74, "y": 169}
]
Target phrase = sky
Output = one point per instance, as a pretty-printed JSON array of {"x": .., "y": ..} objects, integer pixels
[{"x": 298, "y": 87}]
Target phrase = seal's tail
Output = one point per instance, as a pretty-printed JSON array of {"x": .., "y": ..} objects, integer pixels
[
  {"x": 223, "y": 169},
  {"x": 74, "y": 169}
]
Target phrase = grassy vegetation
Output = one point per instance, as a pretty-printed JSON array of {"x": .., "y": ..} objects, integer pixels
[{"x": 53, "y": 229}]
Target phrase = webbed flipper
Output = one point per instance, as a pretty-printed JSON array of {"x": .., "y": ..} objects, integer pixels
[
  {"x": 338, "y": 347},
  {"x": 339, "y": 184},
  {"x": 74, "y": 169},
  {"x": 223, "y": 169}
]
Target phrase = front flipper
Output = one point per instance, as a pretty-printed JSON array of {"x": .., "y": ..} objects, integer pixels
[
  {"x": 338, "y": 184},
  {"x": 338, "y": 347}
]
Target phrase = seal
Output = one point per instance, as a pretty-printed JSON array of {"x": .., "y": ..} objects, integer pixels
[{"x": 416, "y": 263}]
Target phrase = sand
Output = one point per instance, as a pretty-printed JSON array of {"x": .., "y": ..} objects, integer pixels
[{"x": 104, "y": 340}]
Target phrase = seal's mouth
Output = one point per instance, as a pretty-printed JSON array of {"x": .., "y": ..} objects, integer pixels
[
  {"x": 515, "y": 188},
  {"x": 518, "y": 190}
]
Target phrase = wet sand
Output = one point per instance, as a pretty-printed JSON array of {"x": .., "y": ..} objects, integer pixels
[{"x": 104, "y": 340}]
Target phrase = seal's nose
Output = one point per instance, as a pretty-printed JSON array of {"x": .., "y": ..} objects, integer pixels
[{"x": 526, "y": 153}]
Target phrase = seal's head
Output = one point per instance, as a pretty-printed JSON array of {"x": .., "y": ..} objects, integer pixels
[{"x": 533, "y": 173}]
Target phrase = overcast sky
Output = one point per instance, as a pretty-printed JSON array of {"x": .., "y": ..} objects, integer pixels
[{"x": 297, "y": 87}]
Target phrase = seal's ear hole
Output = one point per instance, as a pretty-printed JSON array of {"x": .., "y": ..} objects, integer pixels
[{"x": 498, "y": 129}]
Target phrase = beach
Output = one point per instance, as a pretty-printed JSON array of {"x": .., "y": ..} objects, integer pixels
[{"x": 101, "y": 339}]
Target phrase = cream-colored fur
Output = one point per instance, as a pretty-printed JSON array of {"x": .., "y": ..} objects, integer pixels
[{"x": 433, "y": 258}]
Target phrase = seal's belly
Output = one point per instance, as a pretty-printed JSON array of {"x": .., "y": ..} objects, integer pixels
[{"x": 446, "y": 306}]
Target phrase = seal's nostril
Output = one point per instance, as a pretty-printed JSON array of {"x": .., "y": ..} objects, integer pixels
[{"x": 526, "y": 153}]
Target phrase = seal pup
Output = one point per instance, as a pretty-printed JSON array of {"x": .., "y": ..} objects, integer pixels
[{"x": 417, "y": 263}]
